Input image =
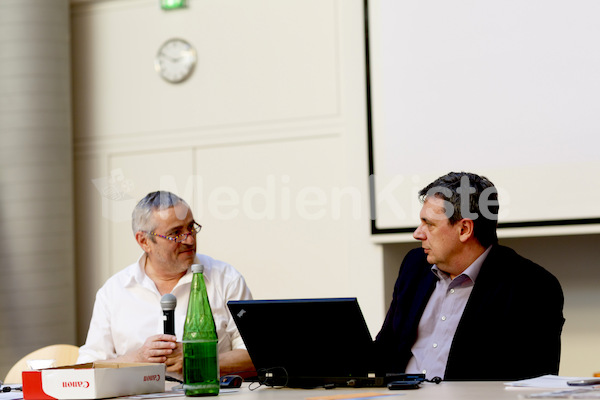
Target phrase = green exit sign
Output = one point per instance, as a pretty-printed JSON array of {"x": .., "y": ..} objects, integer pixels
[{"x": 172, "y": 4}]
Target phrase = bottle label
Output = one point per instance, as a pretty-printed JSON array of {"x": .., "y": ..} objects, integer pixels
[{"x": 200, "y": 386}]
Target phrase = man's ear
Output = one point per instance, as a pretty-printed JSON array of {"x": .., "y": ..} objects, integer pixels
[
  {"x": 467, "y": 229},
  {"x": 142, "y": 240}
]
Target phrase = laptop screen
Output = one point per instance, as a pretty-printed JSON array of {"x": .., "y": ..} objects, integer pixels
[{"x": 312, "y": 341}]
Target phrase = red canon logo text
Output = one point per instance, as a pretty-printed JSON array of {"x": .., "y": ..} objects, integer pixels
[
  {"x": 76, "y": 384},
  {"x": 151, "y": 378}
]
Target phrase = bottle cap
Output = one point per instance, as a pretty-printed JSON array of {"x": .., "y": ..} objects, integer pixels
[{"x": 197, "y": 268}]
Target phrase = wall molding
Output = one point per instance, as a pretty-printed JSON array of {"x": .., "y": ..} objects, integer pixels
[{"x": 229, "y": 135}]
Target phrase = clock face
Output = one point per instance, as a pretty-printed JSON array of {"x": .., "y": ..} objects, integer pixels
[{"x": 175, "y": 60}]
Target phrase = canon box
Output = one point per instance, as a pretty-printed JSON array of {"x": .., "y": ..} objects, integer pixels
[{"x": 93, "y": 381}]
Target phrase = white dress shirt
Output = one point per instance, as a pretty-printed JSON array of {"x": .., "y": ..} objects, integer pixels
[
  {"x": 127, "y": 309},
  {"x": 440, "y": 319}
]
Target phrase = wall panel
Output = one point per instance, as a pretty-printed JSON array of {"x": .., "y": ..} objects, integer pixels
[{"x": 259, "y": 62}]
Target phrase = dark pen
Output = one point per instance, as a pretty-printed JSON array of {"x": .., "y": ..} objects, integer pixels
[
  {"x": 10, "y": 388},
  {"x": 584, "y": 382}
]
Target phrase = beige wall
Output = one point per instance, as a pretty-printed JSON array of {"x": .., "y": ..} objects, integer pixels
[
  {"x": 37, "y": 296},
  {"x": 267, "y": 141}
]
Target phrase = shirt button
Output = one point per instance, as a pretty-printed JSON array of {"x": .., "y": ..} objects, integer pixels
[
  {"x": 443, "y": 318},
  {"x": 435, "y": 345},
  {"x": 451, "y": 290},
  {"x": 424, "y": 371}
]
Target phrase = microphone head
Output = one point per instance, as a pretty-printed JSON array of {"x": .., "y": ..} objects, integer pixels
[{"x": 168, "y": 302}]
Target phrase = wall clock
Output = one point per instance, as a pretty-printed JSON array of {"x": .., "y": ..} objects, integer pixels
[{"x": 175, "y": 60}]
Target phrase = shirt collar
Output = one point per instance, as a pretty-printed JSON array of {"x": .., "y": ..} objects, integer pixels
[
  {"x": 472, "y": 270},
  {"x": 139, "y": 274}
]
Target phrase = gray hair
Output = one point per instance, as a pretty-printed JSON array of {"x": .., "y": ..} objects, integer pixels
[{"x": 141, "y": 218}]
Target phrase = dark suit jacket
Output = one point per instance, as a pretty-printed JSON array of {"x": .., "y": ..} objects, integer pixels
[{"x": 510, "y": 328}]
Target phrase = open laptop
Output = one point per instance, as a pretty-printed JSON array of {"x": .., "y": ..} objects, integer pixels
[{"x": 307, "y": 342}]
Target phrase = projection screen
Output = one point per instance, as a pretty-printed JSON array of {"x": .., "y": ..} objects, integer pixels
[{"x": 506, "y": 89}]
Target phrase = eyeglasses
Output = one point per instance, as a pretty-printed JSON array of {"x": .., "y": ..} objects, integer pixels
[{"x": 194, "y": 229}]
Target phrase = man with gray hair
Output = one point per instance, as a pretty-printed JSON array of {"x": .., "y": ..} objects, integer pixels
[
  {"x": 465, "y": 307},
  {"x": 127, "y": 319}
]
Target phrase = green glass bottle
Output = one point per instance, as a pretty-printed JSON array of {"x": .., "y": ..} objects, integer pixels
[{"x": 200, "y": 358}]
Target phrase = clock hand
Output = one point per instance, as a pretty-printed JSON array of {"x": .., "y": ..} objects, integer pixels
[{"x": 174, "y": 59}]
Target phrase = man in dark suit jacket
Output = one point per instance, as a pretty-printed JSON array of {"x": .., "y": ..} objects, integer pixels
[{"x": 509, "y": 323}]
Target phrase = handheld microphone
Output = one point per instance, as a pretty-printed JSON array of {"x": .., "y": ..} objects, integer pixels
[{"x": 168, "y": 303}]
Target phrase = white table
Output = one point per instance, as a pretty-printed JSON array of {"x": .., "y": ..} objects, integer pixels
[{"x": 428, "y": 391}]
